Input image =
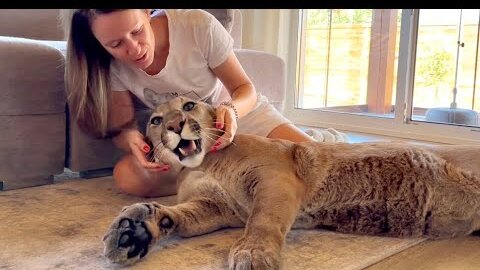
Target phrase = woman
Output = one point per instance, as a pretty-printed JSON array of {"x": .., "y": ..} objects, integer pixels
[{"x": 113, "y": 54}]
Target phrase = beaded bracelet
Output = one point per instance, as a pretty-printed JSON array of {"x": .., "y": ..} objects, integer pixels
[{"x": 230, "y": 105}]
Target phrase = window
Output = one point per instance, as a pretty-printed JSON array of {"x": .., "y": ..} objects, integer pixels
[
  {"x": 446, "y": 79},
  {"x": 389, "y": 71},
  {"x": 349, "y": 60}
]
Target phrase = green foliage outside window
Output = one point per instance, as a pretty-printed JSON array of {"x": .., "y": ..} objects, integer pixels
[{"x": 319, "y": 17}]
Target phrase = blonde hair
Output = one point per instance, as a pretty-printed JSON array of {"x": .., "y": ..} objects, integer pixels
[{"x": 87, "y": 71}]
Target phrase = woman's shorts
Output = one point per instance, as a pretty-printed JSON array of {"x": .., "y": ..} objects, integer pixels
[{"x": 262, "y": 120}]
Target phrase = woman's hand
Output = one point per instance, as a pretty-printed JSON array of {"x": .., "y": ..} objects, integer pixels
[
  {"x": 131, "y": 140},
  {"x": 227, "y": 121}
]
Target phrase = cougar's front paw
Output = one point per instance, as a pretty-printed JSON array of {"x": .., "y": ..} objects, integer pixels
[
  {"x": 132, "y": 233},
  {"x": 247, "y": 255}
]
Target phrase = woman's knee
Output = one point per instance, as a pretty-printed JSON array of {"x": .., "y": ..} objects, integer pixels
[{"x": 130, "y": 177}]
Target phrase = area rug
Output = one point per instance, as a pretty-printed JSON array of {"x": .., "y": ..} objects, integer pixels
[{"x": 60, "y": 226}]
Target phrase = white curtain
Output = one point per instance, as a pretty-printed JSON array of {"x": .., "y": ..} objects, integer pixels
[{"x": 266, "y": 30}]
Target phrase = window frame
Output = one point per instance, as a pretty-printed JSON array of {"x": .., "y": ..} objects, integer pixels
[{"x": 400, "y": 125}]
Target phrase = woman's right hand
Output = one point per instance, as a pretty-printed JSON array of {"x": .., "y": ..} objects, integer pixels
[{"x": 132, "y": 141}]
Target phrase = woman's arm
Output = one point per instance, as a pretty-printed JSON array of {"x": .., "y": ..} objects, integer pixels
[
  {"x": 234, "y": 78},
  {"x": 121, "y": 116},
  {"x": 121, "y": 119},
  {"x": 244, "y": 98}
]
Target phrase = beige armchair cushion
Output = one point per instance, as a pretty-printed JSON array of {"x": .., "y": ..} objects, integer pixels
[
  {"x": 31, "y": 78},
  {"x": 31, "y": 23},
  {"x": 224, "y": 16}
]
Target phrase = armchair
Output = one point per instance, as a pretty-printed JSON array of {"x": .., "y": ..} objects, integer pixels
[{"x": 32, "y": 111}]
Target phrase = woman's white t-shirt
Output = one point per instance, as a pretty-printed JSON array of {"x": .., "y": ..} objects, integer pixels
[{"x": 198, "y": 43}]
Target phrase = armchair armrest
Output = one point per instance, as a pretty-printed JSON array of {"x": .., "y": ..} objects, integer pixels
[
  {"x": 267, "y": 72},
  {"x": 31, "y": 77}
]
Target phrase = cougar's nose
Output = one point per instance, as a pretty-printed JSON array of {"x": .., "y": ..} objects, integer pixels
[{"x": 176, "y": 125}]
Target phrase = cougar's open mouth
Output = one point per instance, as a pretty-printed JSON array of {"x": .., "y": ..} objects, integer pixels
[{"x": 186, "y": 148}]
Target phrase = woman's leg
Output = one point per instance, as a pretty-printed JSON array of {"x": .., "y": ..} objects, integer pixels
[
  {"x": 289, "y": 132},
  {"x": 132, "y": 178}
]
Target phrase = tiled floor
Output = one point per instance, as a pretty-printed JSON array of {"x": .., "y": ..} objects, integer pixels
[{"x": 454, "y": 254}]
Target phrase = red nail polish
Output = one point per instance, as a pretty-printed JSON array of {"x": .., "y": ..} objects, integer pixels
[
  {"x": 146, "y": 148},
  {"x": 213, "y": 149},
  {"x": 218, "y": 125}
]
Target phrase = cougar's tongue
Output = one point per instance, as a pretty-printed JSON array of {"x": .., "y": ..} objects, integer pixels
[{"x": 188, "y": 149}]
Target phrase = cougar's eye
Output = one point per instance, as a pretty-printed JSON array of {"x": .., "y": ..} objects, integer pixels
[
  {"x": 156, "y": 120},
  {"x": 188, "y": 106}
]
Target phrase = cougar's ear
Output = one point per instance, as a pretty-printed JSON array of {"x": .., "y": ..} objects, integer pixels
[{"x": 152, "y": 97}]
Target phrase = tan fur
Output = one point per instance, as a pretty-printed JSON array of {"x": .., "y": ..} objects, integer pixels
[{"x": 270, "y": 186}]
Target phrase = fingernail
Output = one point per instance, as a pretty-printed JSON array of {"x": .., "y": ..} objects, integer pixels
[
  {"x": 218, "y": 125},
  {"x": 146, "y": 148},
  {"x": 213, "y": 149},
  {"x": 166, "y": 168},
  {"x": 217, "y": 143}
]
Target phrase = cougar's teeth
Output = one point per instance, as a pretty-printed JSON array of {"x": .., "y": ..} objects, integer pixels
[
  {"x": 188, "y": 149},
  {"x": 182, "y": 151}
]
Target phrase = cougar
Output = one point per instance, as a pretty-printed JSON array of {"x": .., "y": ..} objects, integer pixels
[{"x": 270, "y": 186}]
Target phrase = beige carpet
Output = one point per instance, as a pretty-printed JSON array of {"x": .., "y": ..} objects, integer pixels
[{"x": 60, "y": 227}]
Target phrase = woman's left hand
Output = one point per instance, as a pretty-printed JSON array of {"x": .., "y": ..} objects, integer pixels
[{"x": 225, "y": 120}]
